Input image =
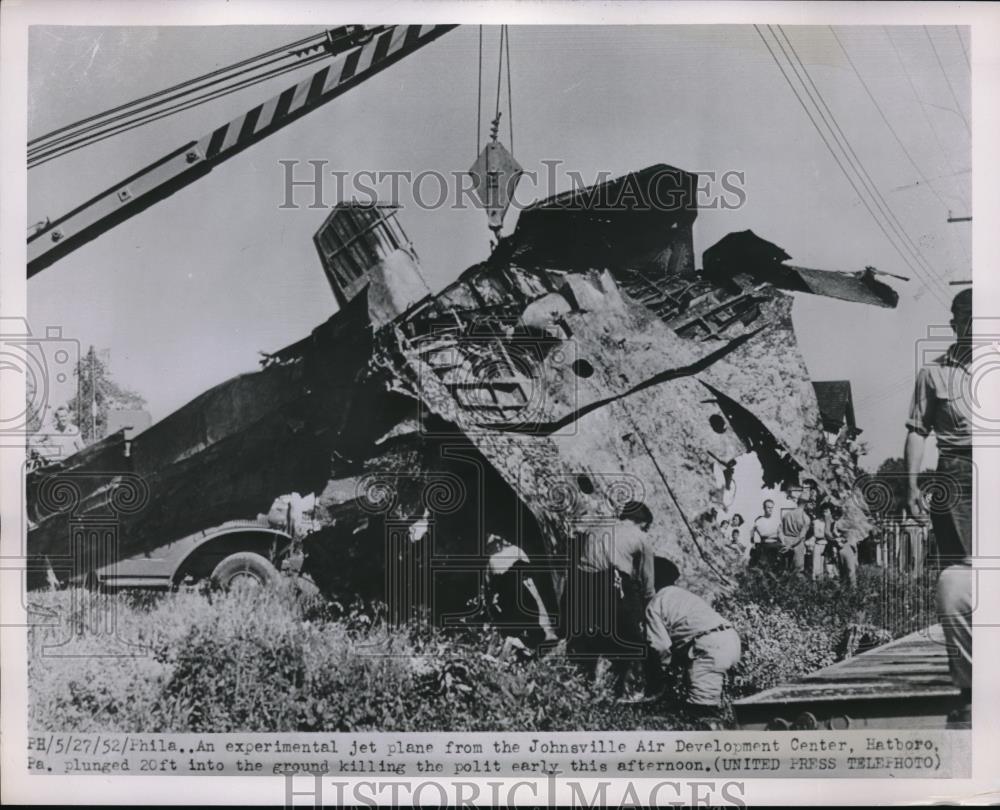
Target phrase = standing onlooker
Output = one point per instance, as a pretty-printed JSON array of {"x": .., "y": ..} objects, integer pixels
[
  {"x": 65, "y": 435},
  {"x": 59, "y": 443},
  {"x": 820, "y": 532},
  {"x": 810, "y": 489},
  {"x": 728, "y": 488},
  {"x": 940, "y": 406},
  {"x": 736, "y": 548},
  {"x": 844, "y": 543},
  {"x": 795, "y": 525},
  {"x": 765, "y": 539}
]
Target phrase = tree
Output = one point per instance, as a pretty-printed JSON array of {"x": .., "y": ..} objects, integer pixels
[
  {"x": 840, "y": 461},
  {"x": 32, "y": 409},
  {"x": 892, "y": 481},
  {"x": 97, "y": 395},
  {"x": 885, "y": 491}
]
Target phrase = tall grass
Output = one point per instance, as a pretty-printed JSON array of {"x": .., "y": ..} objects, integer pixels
[
  {"x": 272, "y": 661},
  {"x": 266, "y": 661}
]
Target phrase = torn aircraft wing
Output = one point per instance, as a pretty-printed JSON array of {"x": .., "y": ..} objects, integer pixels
[{"x": 745, "y": 253}]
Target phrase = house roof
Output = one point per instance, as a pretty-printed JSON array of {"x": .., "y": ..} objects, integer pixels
[{"x": 836, "y": 405}]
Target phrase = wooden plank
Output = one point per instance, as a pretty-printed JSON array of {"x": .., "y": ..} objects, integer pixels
[{"x": 901, "y": 684}]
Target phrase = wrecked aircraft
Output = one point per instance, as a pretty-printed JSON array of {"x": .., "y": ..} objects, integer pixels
[{"x": 585, "y": 364}]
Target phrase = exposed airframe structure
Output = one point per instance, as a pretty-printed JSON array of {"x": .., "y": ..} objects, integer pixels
[{"x": 585, "y": 364}]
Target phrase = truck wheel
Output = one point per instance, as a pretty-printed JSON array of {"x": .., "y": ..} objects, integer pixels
[{"x": 245, "y": 568}]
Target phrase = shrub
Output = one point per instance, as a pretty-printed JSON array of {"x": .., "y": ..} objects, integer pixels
[
  {"x": 791, "y": 626},
  {"x": 777, "y": 647},
  {"x": 273, "y": 660},
  {"x": 898, "y": 603}
]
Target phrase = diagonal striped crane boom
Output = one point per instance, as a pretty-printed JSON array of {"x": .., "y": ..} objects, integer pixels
[{"x": 193, "y": 160}]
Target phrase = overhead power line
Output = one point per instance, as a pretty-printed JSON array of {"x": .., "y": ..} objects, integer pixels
[
  {"x": 954, "y": 96},
  {"x": 510, "y": 93},
  {"x": 887, "y": 122},
  {"x": 927, "y": 182},
  {"x": 965, "y": 52},
  {"x": 923, "y": 110},
  {"x": 840, "y": 159},
  {"x": 479, "y": 97},
  {"x": 831, "y": 121}
]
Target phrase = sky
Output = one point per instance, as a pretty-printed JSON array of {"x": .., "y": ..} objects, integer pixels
[{"x": 187, "y": 293}]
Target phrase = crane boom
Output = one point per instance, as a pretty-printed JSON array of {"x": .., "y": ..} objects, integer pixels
[{"x": 184, "y": 165}]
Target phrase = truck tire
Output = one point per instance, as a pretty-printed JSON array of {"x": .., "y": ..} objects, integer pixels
[{"x": 245, "y": 568}]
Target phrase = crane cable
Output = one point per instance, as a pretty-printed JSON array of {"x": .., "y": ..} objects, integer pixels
[
  {"x": 179, "y": 86},
  {"x": 58, "y": 150},
  {"x": 151, "y": 106},
  {"x": 510, "y": 95},
  {"x": 479, "y": 97},
  {"x": 504, "y": 50},
  {"x": 95, "y": 128}
]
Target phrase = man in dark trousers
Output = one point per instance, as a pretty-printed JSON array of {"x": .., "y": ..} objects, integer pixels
[
  {"x": 795, "y": 524},
  {"x": 682, "y": 628},
  {"x": 941, "y": 405},
  {"x": 607, "y": 592}
]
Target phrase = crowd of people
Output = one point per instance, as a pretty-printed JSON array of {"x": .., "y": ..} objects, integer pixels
[{"x": 808, "y": 539}]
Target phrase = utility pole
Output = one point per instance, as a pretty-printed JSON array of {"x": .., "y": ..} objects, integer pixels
[{"x": 93, "y": 396}]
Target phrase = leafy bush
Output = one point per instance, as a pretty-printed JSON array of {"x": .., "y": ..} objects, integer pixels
[
  {"x": 777, "y": 647},
  {"x": 900, "y": 603},
  {"x": 790, "y": 625}
]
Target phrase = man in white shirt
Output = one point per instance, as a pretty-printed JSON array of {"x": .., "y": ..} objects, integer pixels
[
  {"x": 765, "y": 538},
  {"x": 59, "y": 443}
]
